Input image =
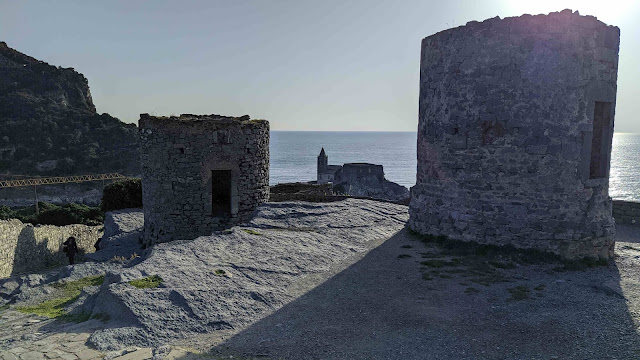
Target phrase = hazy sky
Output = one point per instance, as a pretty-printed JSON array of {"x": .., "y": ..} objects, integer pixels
[{"x": 302, "y": 65}]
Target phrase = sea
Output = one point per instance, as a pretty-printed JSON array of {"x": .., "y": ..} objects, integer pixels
[{"x": 294, "y": 155}]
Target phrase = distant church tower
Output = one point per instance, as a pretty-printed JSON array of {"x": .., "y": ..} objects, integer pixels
[{"x": 323, "y": 161}]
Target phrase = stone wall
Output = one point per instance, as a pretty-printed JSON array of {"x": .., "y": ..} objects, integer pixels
[
  {"x": 352, "y": 172},
  {"x": 507, "y": 152},
  {"x": 25, "y": 248},
  {"x": 626, "y": 212},
  {"x": 300, "y": 192},
  {"x": 179, "y": 156}
]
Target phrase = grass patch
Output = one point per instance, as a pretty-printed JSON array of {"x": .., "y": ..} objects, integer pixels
[
  {"x": 540, "y": 287},
  {"x": 404, "y": 256},
  {"x": 520, "y": 292},
  {"x": 76, "y": 318},
  {"x": 489, "y": 279},
  {"x": 487, "y": 264},
  {"x": 429, "y": 255},
  {"x": 471, "y": 290},
  {"x": 71, "y": 291},
  {"x": 457, "y": 247},
  {"x": 4, "y": 307},
  {"x": 580, "y": 265},
  {"x": 104, "y": 317},
  {"x": 439, "y": 263},
  {"x": 298, "y": 229},
  {"x": 502, "y": 265},
  {"x": 502, "y": 256},
  {"x": 426, "y": 276},
  {"x": 219, "y": 272},
  {"x": 456, "y": 271},
  {"x": 149, "y": 282},
  {"x": 50, "y": 308},
  {"x": 252, "y": 232}
]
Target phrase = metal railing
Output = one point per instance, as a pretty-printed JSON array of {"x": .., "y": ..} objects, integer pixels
[{"x": 59, "y": 180}]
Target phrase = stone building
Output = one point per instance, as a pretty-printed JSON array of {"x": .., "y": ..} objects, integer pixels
[
  {"x": 201, "y": 173},
  {"x": 326, "y": 172},
  {"x": 359, "y": 179},
  {"x": 337, "y": 173},
  {"x": 514, "y": 134}
]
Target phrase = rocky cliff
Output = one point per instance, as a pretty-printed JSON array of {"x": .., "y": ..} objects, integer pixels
[
  {"x": 372, "y": 187},
  {"x": 49, "y": 124}
]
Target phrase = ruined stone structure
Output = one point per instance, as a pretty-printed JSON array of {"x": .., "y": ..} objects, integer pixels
[
  {"x": 339, "y": 173},
  {"x": 201, "y": 173},
  {"x": 514, "y": 135},
  {"x": 25, "y": 248},
  {"x": 359, "y": 179}
]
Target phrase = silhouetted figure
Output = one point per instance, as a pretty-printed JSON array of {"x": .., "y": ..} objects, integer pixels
[
  {"x": 97, "y": 244},
  {"x": 70, "y": 248}
]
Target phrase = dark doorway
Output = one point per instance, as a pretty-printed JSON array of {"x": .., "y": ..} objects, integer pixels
[
  {"x": 600, "y": 140},
  {"x": 220, "y": 193}
]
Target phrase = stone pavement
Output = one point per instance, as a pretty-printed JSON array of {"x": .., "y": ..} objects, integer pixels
[{"x": 32, "y": 337}]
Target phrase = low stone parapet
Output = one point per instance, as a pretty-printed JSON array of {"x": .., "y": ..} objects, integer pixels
[
  {"x": 626, "y": 212},
  {"x": 300, "y": 192}
]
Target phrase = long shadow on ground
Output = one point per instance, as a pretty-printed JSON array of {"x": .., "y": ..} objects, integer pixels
[{"x": 390, "y": 305}]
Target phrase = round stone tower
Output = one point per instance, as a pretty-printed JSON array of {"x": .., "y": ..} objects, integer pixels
[
  {"x": 201, "y": 173},
  {"x": 514, "y": 134}
]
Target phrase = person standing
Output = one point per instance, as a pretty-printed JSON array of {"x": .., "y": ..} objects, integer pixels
[{"x": 70, "y": 248}]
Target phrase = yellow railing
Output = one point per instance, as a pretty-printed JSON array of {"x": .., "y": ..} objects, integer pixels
[{"x": 58, "y": 180}]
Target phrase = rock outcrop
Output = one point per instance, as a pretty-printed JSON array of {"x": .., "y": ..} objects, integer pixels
[
  {"x": 220, "y": 283},
  {"x": 122, "y": 235},
  {"x": 367, "y": 180},
  {"x": 49, "y": 124}
]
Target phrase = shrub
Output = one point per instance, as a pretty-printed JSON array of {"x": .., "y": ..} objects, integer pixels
[
  {"x": 68, "y": 214},
  {"x": 51, "y": 214},
  {"x": 5, "y": 212},
  {"x": 122, "y": 194}
]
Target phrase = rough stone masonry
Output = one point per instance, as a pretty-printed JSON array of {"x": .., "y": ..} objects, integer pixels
[
  {"x": 514, "y": 134},
  {"x": 201, "y": 173},
  {"x": 26, "y": 248}
]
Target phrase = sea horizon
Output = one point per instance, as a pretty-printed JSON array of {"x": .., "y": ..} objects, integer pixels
[{"x": 294, "y": 154}]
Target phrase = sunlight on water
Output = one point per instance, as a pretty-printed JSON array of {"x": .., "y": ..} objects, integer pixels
[
  {"x": 293, "y": 157},
  {"x": 624, "y": 181}
]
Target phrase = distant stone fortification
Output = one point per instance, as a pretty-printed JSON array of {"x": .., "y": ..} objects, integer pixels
[
  {"x": 359, "y": 179},
  {"x": 26, "y": 248},
  {"x": 201, "y": 173},
  {"x": 514, "y": 135}
]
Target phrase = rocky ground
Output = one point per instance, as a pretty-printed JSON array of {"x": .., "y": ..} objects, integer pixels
[{"x": 340, "y": 280}]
